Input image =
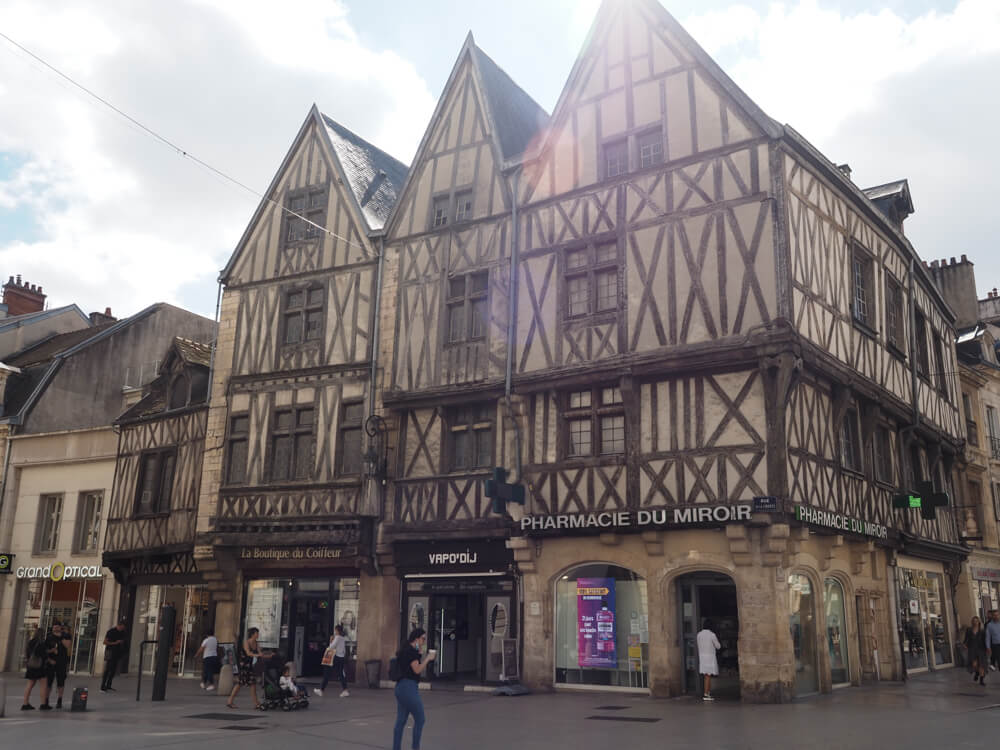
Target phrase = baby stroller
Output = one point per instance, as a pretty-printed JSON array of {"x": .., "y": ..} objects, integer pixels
[{"x": 275, "y": 697}]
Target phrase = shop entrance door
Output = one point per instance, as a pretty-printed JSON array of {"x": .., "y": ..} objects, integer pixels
[
  {"x": 457, "y": 630},
  {"x": 310, "y": 630},
  {"x": 710, "y": 596}
]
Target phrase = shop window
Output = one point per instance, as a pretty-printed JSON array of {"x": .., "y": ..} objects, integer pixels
[
  {"x": 88, "y": 522},
  {"x": 836, "y": 631},
  {"x": 882, "y": 445},
  {"x": 236, "y": 449},
  {"x": 303, "y": 316},
  {"x": 802, "y": 624},
  {"x": 468, "y": 307},
  {"x": 470, "y": 434},
  {"x": 894, "y": 315},
  {"x": 602, "y": 627},
  {"x": 850, "y": 442},
  {"x": 292, "y": 443},
  {"x": 590, "y": 279},
  {"x": 49, "y": 518},
  {"x": 594, "y": 422},
  {"x": 306, "y": 214},
  {"x": 862, "y": 272},
  {"x": 351, "y": 415},
  {"x": 156, "y": 480},
  {"x": 923, "y": 622}
]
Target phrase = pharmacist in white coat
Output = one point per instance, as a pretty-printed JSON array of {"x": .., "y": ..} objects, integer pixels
[{"x": 708, "y": 663}]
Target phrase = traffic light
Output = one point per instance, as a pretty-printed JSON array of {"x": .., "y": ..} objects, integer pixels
[
  {"x": 924, "y": 498},
  {"x": 502, "y": 493}
]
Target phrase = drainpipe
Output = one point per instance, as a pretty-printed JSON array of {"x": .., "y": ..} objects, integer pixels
[
  {"x": 215, "y": 344},
  {"x": 376, "y": 326},
  {"x": 512, "y": 323}
]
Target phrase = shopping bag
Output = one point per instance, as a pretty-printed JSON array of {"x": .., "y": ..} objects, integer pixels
[{"x": 327, "y": 660}]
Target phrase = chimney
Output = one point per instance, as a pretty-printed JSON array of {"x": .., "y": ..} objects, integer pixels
[
  {"x": 97, "y": 318},
  {"x": 957, "y": 284},
  {"x": 845, "y": 169},
  {"x": 22, "y": 298}
]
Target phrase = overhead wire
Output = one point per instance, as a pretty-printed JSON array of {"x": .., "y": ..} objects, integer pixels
[{"x": 184, "y": 153}]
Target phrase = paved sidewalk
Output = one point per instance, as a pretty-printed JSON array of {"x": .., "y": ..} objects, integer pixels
[{"x": 942, "y": 710}]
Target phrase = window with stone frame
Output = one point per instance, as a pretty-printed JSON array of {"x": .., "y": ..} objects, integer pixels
[
  {"x": 467, "y": 304},
  {"x": 349, "y": 450},
  {"x": 302, "y": 318},
  {"x": 996, "y": 500},
  {"x": 156, "y": 481},
  {"x": 237, "y": 447},
  {"x": 291, "y": 444},
  {"x": 650, "y": 148},
  {"x": 306, "y": 214},
  {"x": 593, "y": 422},
  {"x": 882, "y": 447},
  {"x": 615, "y": 158},
  {"x": 439, "y": 211},
  {"x": 590, "y": 279},
  {"x": 87, "y": 536},
  {"x": 862, "y": 283},
  {"x": 49, "y": 519},
  {"x": 894, "y": 334},
  {"x": 971, "y": 426},
  {"x": 922, "y": 354},
  {"x": 470, "y": 430},
  {"x": 850, "y": 442}
]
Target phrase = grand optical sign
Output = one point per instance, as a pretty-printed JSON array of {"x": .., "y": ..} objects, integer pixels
[
  {"x": 59, "y": 572},
  {"x": 840, "y": 522},
  {"x": 627, "y": 519}
]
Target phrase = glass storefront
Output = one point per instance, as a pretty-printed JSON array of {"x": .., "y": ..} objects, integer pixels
[
  {"x": 923, "y": 619},
  {"x": 192, "y": 604},
  {"x": 602, "y": 628},
  {"x": 76, "y": 604},
  {"x": 836, "y": 631},
  {"x": 296, "y": 617},
  {"x": 802, "y": 624},
  {"x": 987, "y": 597}
]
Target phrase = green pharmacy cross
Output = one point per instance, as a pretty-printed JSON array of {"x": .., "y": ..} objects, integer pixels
[
  {"x": 924, "y": 498},
  {"x": 502, "y": 493}
]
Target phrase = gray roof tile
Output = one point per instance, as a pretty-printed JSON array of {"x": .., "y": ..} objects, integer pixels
[{"x": 517, "y": 117}]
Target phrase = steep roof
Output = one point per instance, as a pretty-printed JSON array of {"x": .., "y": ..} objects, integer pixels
[
  {"x": 47, "y": 349},
  {"x": 154, "y": 402},
  {"x": 193, "y": 352},
  {"x": 517, "y": 118},
  {"x": 375, "y": 178}
]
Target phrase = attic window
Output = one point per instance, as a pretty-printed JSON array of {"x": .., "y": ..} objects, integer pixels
[
  {"x": 650, "y": 148},
  {"x": 439, "y": 212},
  {"x": 615, "y": 158},
  {"x": 463, "y": 206},
  {"x": 306, "y": 213},
  {"x": 179, "y": 392}
]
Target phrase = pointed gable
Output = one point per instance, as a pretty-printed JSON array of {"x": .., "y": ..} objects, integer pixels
[
  {"x": 482, "y": 119},
  {"x": 639, "y": 75},
  {"x": 335, "y": 179}
]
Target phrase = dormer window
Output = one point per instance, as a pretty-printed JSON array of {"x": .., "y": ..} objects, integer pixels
[{"x": 180, "y": 391}]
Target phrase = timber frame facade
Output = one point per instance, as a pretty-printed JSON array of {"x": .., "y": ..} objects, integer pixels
[{"x": 657, "y": 299}]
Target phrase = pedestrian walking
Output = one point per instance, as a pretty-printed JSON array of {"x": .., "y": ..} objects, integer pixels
[
  {"x": 336, "y": 655},
  {"x": 249, "y": 653},
  {"x": 210, "y": 665},
  {"x": 114, "y": 649},
  {"x": 407, "y": 692},
  {"x": 993, "y": 638},
  {"x": 975, "y": 645},
  {"x": 57, "y": 646},
  {"x": 708, "y": 663},
  {"x": 35, "y": 669}
]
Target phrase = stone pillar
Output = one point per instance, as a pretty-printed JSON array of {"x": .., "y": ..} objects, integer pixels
[{"x": 378, "y": 622}]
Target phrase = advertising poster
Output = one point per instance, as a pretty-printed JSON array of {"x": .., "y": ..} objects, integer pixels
[
  {"x": 264, "y": 613},
  {"x": 595, "y": 607}
]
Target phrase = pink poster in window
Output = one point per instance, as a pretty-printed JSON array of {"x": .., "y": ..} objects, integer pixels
[{"x": 595, "y": 607}]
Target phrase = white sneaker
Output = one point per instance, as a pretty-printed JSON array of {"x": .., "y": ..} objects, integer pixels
[
  {"x": 993, "y": 667},
  {"x": 210, "y": 688},
  {"x": 317, "y": 691},
  {"x": 344, "y": 694},
  {"x": 201, "y": 685},
  {"x": 707, "y": 697}
]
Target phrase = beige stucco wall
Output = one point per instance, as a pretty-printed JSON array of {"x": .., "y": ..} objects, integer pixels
[{"x": 64, "y": 463}]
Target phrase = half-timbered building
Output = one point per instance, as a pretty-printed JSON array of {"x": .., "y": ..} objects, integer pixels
[
  {"x": 153, "y": 509},
  {"x": 285, "y": 523},
  {"x": 718, "y": 361}
]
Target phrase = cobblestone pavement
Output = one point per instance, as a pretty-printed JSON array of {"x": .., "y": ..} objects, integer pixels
[{"x": 942, "y": 710}]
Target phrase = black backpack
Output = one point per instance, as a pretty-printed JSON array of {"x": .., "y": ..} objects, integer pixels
[{"x": 395, "y": 673}]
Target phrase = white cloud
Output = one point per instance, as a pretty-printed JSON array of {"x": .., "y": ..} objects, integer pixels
[
  {"x": 125, "y": 221},
  {"x": 894, "y": 97}
]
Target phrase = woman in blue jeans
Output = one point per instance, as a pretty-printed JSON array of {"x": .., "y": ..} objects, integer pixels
[{"x": 407, "y": 692}]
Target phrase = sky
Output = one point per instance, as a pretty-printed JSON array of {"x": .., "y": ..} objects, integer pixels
[{"x": 99, "y": 213}]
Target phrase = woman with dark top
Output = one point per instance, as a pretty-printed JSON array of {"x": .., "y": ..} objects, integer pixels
[
  {"x": 975, "y": 644},
  {"x": 407, "y": 693},
  {"x": 249, "y": 650},
  {"x": 36, "y": 670}
]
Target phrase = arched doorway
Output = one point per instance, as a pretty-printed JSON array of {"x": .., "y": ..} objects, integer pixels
[
  {"x": 602, "y": 627},
  {"x": 835, "y": 608},
  {"x": 710, "y": 597},
  {"x": 802, "y": 624}
]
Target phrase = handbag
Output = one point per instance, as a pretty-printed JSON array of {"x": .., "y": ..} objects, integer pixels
[
  {"x": 34, "y": 659},
  {"x": 327, "y": 660}
]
